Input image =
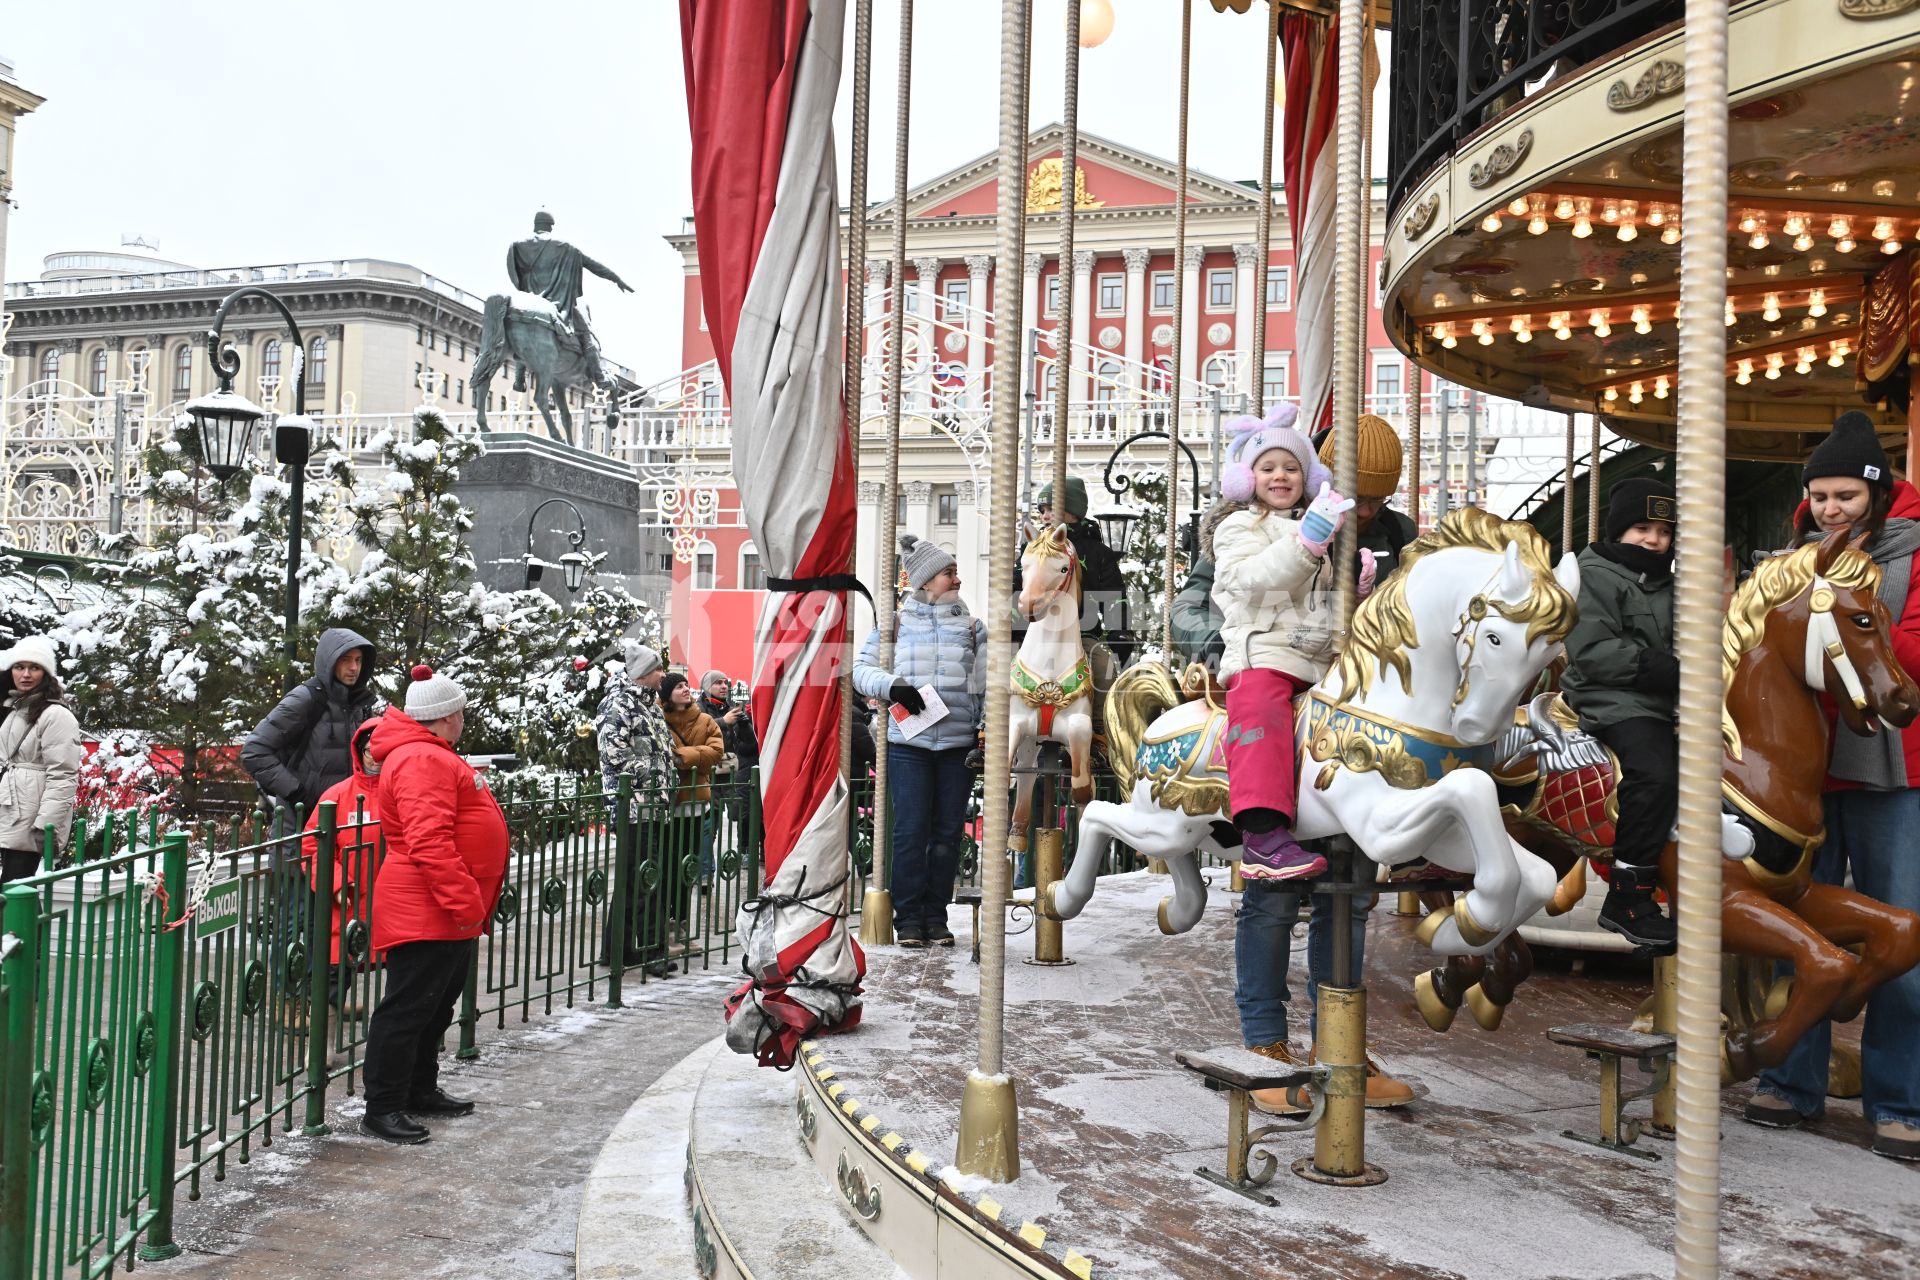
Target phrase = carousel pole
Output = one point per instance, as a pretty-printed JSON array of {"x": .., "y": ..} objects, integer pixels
[
  {"x": 1050, "y": 842},
  {"x": 876, "y": 912},
  {"x": 1408, "y": 904},
  {"x": 1593, "y": 477},
  {"x": 1168, "y": 585},
  {"x": 1701, "y": 476},
  {"x": 1339, "y": 1141},
  {"x": 989, "y": 1141},
  {"x": 1263, "y": 237},
  {"x": 1567, "y": 492}
]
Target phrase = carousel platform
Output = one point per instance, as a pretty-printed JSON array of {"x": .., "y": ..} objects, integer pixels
[{"x": 843, "y": 1167}]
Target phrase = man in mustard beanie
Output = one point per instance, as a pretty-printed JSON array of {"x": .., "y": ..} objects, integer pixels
[{"x": 1381, "y": 529}]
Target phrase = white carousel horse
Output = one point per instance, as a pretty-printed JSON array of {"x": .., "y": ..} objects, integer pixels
[
  {"x": 1427, "y": 682},
  {"x": 1052, "y": 695}
]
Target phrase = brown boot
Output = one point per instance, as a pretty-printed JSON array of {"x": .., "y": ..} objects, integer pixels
[
  {"x": 1280, "y": 1102},
  {"x": 1383, "y": 1090},
  {"x": 1896, "y": 1141}
]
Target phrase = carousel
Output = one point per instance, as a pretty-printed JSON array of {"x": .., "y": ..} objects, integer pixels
[{"x": 1577, "y": 219}]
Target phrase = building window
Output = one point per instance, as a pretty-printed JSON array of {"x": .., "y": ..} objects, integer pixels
[
  {"x": 1163, "y": 291},
  {"x": 946, "y": 507},
  {"x": 703, "y": 560},
  {"x": 97, "y": 374},
  {"x": 958, "y": 293},
  {"x": 1052, "y": 306},
  {"x": 1106, "y": 383},
  {"x": 1273, "y": 379},
  {"x": 183, "y": 369},
  {"x": 317, "y": 362},
  {"x": 270, "y": 360},
  {"x": 1279, "y": 288},
  {"x": 752, "y": 576},
  {"x": 1217, "y": 372},
  {"x": 1220, "y": 287},
  {"x": 1389, "y": 382},
  {"x": 710, "y": 397},
  {"x": 463, "y": 348},
  {"x": 50, "y": 365},
  {"x": 419, "y": 335},
  {"x": 1113, "y": 294},
  {"x": 139, "y": 360},
  {"x": 459, "y": 390},
  {"x": 446, "y": 344}
]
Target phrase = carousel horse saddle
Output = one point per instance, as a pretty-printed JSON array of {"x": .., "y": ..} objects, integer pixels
[{"x": 1557, "y": 776}]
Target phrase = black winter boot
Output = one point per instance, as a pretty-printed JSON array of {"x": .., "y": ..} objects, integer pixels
[{"x": 1631, "y": 912}]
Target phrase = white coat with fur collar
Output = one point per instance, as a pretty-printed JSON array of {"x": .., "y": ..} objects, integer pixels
[{"x": 1274, "y": 595}]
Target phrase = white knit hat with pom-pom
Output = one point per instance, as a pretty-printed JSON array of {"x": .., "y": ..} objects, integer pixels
[{"x": 432, "y": 697}]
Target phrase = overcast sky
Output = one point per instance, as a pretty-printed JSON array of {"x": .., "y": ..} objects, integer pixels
[{"x": 429, "y": 132}]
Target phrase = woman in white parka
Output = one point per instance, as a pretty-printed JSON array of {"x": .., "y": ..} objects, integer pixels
[{"x": 39, "y": 758}]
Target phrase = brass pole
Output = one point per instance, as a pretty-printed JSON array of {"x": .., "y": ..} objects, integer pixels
[
  {"x": 1416, "y": 376},
  {"x": 876, "y": 912},
  {"x": 989, "y": 1139},
  {"x": 855, "y": 343},
  {"x": 1701, "y": 483},
  {"x": 1593, "y": 478},
  {"x": 1264, "y": 236},
  {"x": 1069, "y": 274},
  {"x": 1179, "y": 336},
  {"x": 1666, "y": 1015},
  {"x": 1049, "y": 864},
  {"x": 1567, "y": 490}
]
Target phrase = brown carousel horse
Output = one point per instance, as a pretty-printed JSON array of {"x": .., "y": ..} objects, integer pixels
[{"x": 1806, "y": 623}]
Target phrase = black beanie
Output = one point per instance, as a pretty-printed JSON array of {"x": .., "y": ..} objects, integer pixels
[
  {"x": 668, "y": 683},
  {"x": 1637, "y": 501},
  {"x": 1851, "y": 449}
]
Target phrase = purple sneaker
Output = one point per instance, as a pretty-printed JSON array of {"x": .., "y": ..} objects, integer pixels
[{"x": 1276, "y": 855}]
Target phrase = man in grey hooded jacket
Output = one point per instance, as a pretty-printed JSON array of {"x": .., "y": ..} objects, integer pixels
[{"x": 301, "y": 748}]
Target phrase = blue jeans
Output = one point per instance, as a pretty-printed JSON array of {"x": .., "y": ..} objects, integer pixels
[
  {"x": 1262, "y": 946},
  {"x": 927, "y": 792},
  {"x": 1874, "y": 831}
]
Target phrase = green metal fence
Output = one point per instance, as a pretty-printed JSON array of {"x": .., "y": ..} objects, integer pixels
[{"x": 178, "y": 1002}]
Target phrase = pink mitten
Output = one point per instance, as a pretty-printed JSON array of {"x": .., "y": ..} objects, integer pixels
[{"x": 1368, "y": 571}]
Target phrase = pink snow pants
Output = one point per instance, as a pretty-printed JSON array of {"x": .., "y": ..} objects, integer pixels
[{"x": 1260, "y": 751}]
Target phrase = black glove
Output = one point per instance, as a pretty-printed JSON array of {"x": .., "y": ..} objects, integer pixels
[
  {"x": 1659, "y": 671},
  {"x": 907, "y": 696},
  {"x": 976, "y": 760}
]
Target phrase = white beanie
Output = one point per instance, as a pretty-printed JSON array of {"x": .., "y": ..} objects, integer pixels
[
  {"x": 642, "y": 661},
  {"x": 431, "y": 697},
  {"x": 35, "y": 649}
]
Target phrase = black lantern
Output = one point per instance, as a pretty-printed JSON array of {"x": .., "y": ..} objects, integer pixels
[
  {"x": 573, "y": 569},
  {"x": 1117, "y": 525},
  {"x": 574, "y": 563},
  {"x": 224, "y": 421}
]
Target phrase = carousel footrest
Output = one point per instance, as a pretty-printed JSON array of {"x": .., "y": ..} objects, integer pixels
[
  {"x": 1611, "y": 1047},
  {"x": 1237, "y": 1072}
]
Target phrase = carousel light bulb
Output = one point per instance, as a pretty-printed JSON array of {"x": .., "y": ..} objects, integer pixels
[
  {"x": 1610, "y": 212},
  {"x": 1642, "y": 320},
  {"x": 1523, "y": 332},
  {"x": 1840, "y": 229},
  {"x": 1537, "y": 224},
  {"x": 1746, "y": 373},
  {"x": 1794, "y": 225},
  {"x": 1835, "y": 357},
  {"x": 1817, "y": 303},
  {"x": 1731, "y": 317},
  {"x": 1610, "y": 395},
  {"x": 1670, "y": 234},
  {"x": 1582, "y": 225},
  {"x": 1748, "y": 221},
  {"x": 1598, "y": 323},
  {"x": 1563, "y": 325},
  {"x": 1563, "y": 208},
  {"x": 1843, "y": 245},
  {"x": 1771, "y": 312},
  {"x": 1759, "y": 239},
  {"x": 1890, "y": 246},
  {"x": 1635, "y": 395},
  {"x": 1518, "y": 206},
  {"x": 1491, "y": 224},
  {"x": 1803, "y": 242},
  {"x": 1628, "y": 231},
  {"x": 1883, "y": 229},
  {"x": 1656, "y": 215},
  {"x": 1804, "y": 362},
  {"x": 1479, "y": 328},
  {"x": 1486, "y": 338},
  {"x": 1774, "y": 364},
  {"x": 1660, "y": 388}
]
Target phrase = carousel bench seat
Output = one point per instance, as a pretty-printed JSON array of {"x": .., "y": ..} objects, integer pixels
[
  {"x": 1612, "y": 1046},
  {"x": 1237, "y": 1072}
]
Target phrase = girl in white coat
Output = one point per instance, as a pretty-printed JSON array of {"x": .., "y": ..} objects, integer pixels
[
  {"x": 39, "y": 758},
  {"x": 1269, "y": 550}
]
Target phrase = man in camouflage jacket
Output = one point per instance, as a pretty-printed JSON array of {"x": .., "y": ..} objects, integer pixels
[{"x": 632, "y": 732}]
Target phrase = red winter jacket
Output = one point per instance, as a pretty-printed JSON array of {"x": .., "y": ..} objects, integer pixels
[
  {"x": 446, "y": 839},
  {"x": 356, "y": 799},
  {"x": 1906, "y": 639}
]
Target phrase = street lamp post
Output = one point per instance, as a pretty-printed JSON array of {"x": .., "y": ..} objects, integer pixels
[
  {"x": 1119, "y": 485},
  {"x": 62, "y": 596},
  {"x": 573, "y": 564},
  {"x": 224, "y": 421}
]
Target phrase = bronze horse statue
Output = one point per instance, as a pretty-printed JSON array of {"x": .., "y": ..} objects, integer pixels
[
  {"x": 541, "y": 344},
  {"x": 1806, "y": 623}
]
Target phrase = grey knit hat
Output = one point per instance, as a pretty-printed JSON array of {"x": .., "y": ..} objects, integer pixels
[
  {"x": 711, "y": 676},
  {"x": 922, "y": 560},
  {"x": 641, "y": 661},
  {"x": 432, "y": 697}
]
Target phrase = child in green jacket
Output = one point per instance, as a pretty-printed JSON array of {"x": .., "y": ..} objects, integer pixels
[{"x": 1624, "y": 680}]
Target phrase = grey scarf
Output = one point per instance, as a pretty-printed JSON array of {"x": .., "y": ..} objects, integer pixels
[{"x": 1878, "y": 761}]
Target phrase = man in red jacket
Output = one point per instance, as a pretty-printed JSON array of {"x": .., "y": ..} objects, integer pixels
[{"x": 446, "y": 858}]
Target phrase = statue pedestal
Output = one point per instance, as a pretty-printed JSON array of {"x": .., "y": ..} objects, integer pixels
[{"x": 506, "y": 484}]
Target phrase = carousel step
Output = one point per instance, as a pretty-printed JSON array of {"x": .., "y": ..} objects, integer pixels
[
  {"x": 1618, "y": 1042},
  {"x": 1231, "y": 1067}
]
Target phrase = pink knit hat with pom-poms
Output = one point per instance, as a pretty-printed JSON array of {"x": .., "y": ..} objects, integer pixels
[{"x": 1252, "y": 437}]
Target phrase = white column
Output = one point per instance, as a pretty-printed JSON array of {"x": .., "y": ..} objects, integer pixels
[
  {"x": 1190, "y": 314},
  {"x": 927, "y": 271},
  {"x": 866, "y": 537},
  {"x": 1248, "y": 292},
  {"x": 1139, "y": 297},
  {"x": 872, "y": 372},
  {"x": 970, "y": 544},
  {"x": 1030, "y": 307},
  {"x": 1081, "y": 389},
  {"x": 978, "y": 265}
]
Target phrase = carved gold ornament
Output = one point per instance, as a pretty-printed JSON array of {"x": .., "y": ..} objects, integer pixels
[
  {"x": 1044, "y": 185},
  {"x": 1422, "y": 216},
  {"x": 1501, "y": 161},
  {"x": 1661, "y": 80},
  {"x": 1868, "y": 10}
]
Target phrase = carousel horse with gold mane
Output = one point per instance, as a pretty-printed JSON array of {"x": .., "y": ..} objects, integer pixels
[
  {"x": 1805, "y": 624},
  {"x": 1436, "y": 661},
  {"x": 1052, "y": 694}
]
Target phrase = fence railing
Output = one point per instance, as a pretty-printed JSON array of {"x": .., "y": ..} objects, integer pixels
[{"x": 172, "y": 1005}]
